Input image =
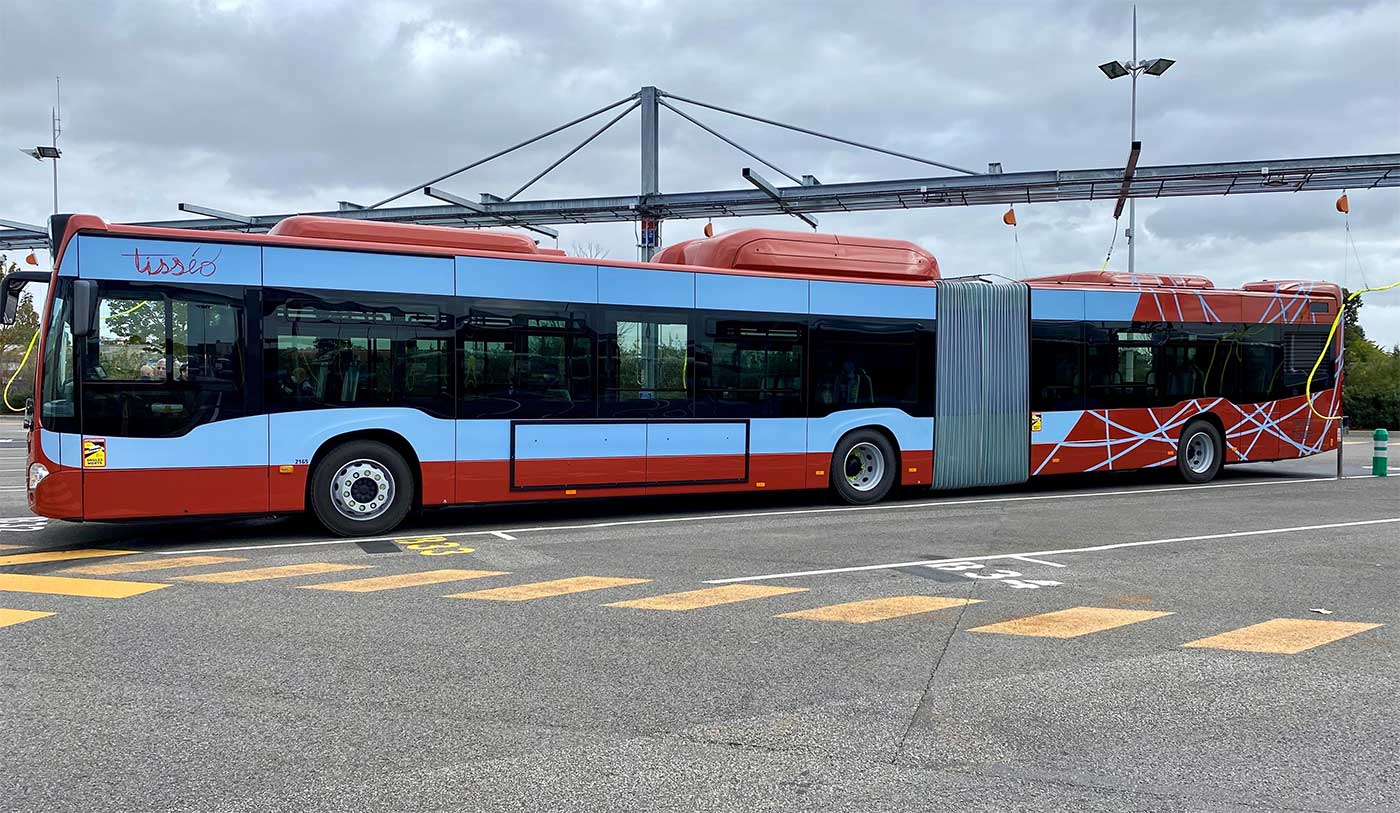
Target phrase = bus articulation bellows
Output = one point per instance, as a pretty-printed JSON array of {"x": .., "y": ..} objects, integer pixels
[{"x": 362, "y": 370}]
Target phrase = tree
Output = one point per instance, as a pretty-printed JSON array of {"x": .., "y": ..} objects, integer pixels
[
  {"x": 14, "y": 341},
  {"x": 591, "y": 250}
]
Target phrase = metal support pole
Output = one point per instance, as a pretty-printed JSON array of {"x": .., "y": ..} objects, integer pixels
[
  {"x": 1339, "y": 379},
  {"x": 650, "y": 170},
  {"x": 1132, "y": 136}
]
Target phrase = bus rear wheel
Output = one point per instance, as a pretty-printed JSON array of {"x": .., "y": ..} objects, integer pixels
[
  {"x": 863, "y": 467},
  {"x": 361, "y": 488},
  {"x": 1199, "y": 452}
]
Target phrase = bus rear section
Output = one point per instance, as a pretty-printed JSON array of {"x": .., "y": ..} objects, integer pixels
[{"x": 362, "y": 371}]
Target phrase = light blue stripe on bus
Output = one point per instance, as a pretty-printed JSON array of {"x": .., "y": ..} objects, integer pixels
[
  {"x": 483, "y": 440},
  {"x": 48, "y": 444},
  {"x": 638, "y": 286},
  {"x": 1110, "y": 306},
  {"x": 865, "y": 299},
  {"x": 296, "y": 436},
  {"x": 169, "y": 261},
  {"x": 356, "y": 271},
  {"x": 70, "y": 449},
  {"x": 778, "y": 435},
  {"x": 552, "y": 441},
  {"x": 666, "y": 439},
  {"x": 235, "y": 442},
  {"x": 69, "y": 266},
  {"x": 1056, "y": 426},
  {"x": 737, "y": 293},
  {"x": 912, "y": 434},
  {"x": 526, "y": 279},
  {"x": 1064, "y": 306}
]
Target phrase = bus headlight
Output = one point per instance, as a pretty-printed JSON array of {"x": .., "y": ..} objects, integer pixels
[{"x": 37, "y": 473}]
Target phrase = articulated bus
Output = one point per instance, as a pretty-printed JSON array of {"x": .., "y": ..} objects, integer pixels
[{"x": 362, "y": 371}]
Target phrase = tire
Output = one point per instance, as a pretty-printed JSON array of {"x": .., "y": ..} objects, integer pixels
[
  {"x": 373, "y": 492},
  {"x": 864, "y": 467},
  {"x": 1199, "y": 452}
]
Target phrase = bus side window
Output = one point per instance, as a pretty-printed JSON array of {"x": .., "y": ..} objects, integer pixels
[{"x": 162, "y": 361}]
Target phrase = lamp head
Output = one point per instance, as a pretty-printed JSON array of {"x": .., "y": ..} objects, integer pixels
[
  {"x": 1156, "y": 67},
  {"x": 1114, "y": 70}
]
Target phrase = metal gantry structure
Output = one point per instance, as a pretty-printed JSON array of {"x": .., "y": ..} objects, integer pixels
[{"x": 807, "y": 197}]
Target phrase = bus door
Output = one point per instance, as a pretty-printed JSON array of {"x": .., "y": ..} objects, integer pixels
[{"x": 168, "y": 425}]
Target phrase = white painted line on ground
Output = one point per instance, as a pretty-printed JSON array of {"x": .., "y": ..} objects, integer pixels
[
  {"x": 503, "y": 535},
  {"x": 1038, "y": 561},
  {"x": 1061, "y": 551},
  {"x": 592, "y": 526}
]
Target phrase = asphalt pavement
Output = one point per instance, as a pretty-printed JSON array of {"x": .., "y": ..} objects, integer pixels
[{"x": 1103, "y": 643}]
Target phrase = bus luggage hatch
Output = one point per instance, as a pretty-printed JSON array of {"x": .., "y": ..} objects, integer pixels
[{"x": 982, "y": 415}]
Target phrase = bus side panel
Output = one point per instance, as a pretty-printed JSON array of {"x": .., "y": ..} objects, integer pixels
[
  {"x": 914, "y": 436},
  {"x": 1250, "y": 430},
  {"x": 131, "y": 493},
  {"x": 295, "y": 437},
  {"x": 163, "y": 477}
]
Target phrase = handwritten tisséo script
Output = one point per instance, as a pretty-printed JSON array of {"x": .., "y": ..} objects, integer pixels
[{"x": 172, "y": 265}]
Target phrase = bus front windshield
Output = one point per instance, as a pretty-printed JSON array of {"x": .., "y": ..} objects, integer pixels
[{"x": 56, "y": 380}]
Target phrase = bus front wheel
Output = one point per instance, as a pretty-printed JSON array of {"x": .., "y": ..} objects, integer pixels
[
  {"x": 361, "y": 488},
  {"x": 863, "y": 467},
  {"x": 1199, "y": 452}
]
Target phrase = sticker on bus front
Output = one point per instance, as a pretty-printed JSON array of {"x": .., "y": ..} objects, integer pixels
[
  {"x": 94, "y": 453},
  {"x": 1036, "y": 422}
]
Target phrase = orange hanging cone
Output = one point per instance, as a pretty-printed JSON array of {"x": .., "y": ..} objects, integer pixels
[
  {"x": 1009, "y": 218},
  {"x": 31, "y": 259},
  {"x": 1343, "y": 205}
]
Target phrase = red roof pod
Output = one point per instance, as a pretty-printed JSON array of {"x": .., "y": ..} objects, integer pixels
[
  {"x": 1124, "y": 280},
  {"x": 1296, "y": 286},
  {"x": 788, "y": 252},
  {"x": 402, "y": 234}
]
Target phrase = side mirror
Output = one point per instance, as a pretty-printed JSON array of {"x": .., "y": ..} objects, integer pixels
[
  {"x": 13, "y": 287},
  {"x": 84, "y": 307}
]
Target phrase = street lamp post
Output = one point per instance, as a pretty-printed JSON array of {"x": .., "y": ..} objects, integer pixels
[
  {"x": 51, "y": 152},
  {"x": 1131, "y": 68}
]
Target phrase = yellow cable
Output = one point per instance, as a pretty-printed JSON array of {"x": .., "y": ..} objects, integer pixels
[
  {"x": 6, "y": 394},
  {"x": 1341, "y": 312}
]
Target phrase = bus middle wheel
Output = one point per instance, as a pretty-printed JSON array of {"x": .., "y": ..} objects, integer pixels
[
  {"x": 863, "y": 467},
  {"x": 361, "y": 488}
]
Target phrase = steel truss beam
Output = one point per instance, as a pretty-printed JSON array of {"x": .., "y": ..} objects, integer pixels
[{"x": 1181, "y": 180}]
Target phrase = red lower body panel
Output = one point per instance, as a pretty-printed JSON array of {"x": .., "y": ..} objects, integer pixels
[
  {"x": 1122, "y": 439},
  {"x": 130, "y": 493},
  {"x": 486, "y": 481}
]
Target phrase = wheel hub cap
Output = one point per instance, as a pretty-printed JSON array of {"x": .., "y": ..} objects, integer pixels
[
  {"x": 864, "y": 466},
  {"x": 1200, "y": 453},
  {"x": 362, "y": 489}
]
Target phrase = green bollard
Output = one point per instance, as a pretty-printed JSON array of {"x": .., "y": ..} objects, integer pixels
[{"x": 1380, "y": 463}]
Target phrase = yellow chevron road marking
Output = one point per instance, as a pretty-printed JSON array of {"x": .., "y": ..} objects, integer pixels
[
  {"x": 60, "y": 555},
  {"x": 257, "y": 574},
  {"x": 879, "y": 609},
  {"x": 1070, "y": 623},
  {"x": 1283, "y": 636},
  {"x": 376, "y": 583},
  {"x": 62, "y": 586},
  {"x": 708, "y": 597},
  {"x": 11, "y": 617},
  {"x": 141, "y": 565},
  {"x": 557, "y": 587}
]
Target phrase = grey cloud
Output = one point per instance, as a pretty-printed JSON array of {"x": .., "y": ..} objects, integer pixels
[{"x": 267, "y": 106}]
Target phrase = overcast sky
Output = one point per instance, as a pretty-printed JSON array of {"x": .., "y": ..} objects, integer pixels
[{"x": 281, "y": 106}]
